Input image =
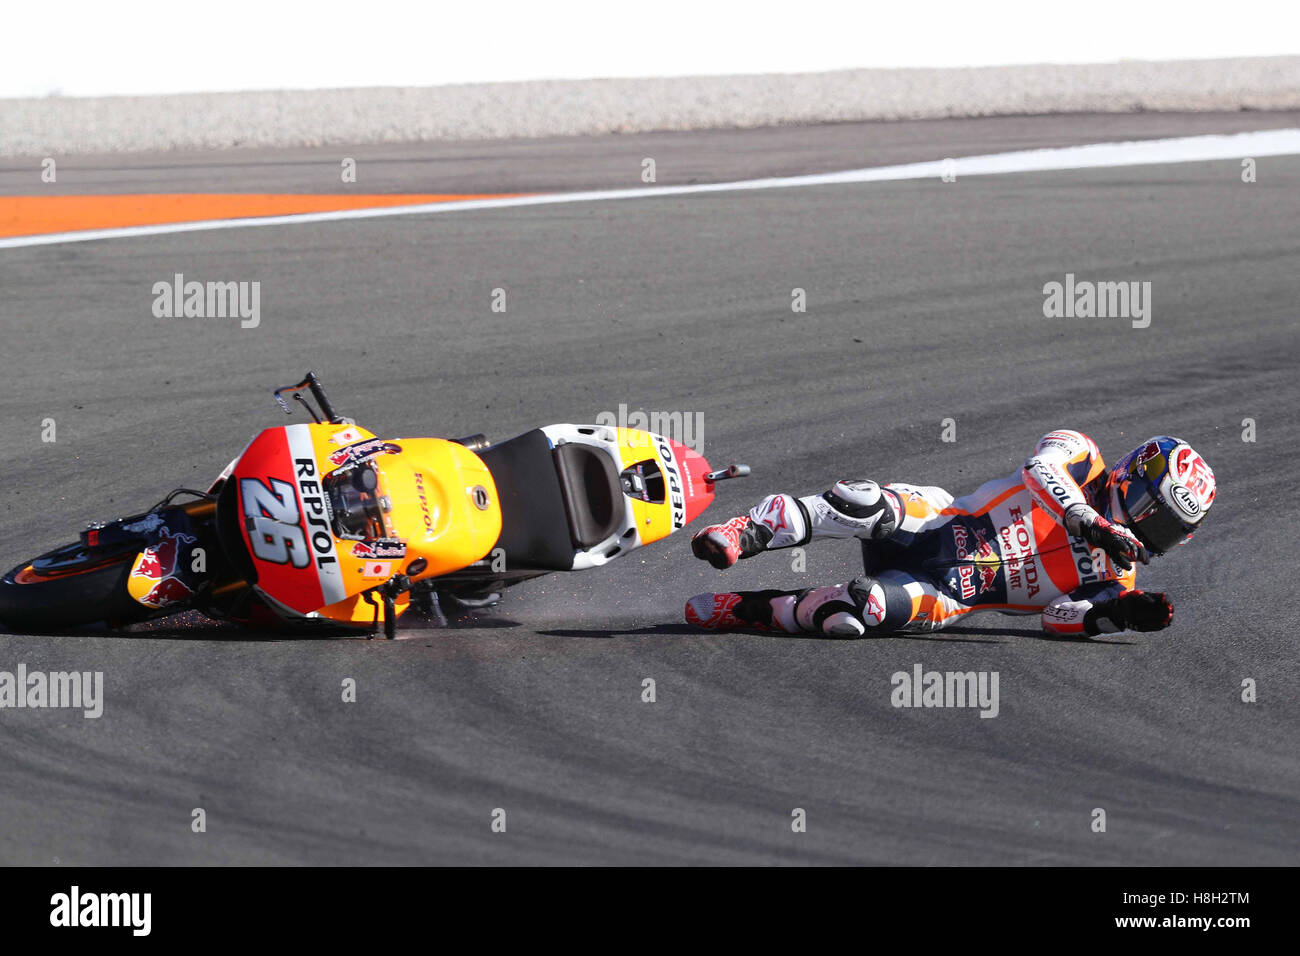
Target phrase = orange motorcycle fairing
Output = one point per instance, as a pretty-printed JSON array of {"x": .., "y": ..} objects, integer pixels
[
  {"x": 328, "y": 523},
  {"x": 433, "y": 505}
]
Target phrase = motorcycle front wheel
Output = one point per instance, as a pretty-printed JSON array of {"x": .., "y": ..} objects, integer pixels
[{"x": 69, "y": 587}]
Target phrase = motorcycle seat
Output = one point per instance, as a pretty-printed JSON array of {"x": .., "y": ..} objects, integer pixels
[
  {"x": 553, "y": 502},
  {"x": 592, "y": 493}
]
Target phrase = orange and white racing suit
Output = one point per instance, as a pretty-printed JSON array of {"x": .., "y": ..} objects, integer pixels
[{"x": 932, "y": 559}]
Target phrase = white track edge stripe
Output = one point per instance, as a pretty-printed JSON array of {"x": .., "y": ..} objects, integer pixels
[{"x": 1187, "y": 149}]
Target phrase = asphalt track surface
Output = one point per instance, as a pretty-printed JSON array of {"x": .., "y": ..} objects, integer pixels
[{"x": 924, "y": 303}]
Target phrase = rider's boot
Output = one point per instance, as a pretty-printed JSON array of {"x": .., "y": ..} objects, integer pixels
[
  {"x": 741, "y": 609},
  {"x": 847, "y": 610}
]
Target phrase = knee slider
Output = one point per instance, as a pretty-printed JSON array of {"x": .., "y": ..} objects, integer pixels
[
  {"x": 869, "y": 600},
  {"x": 828, "y": 610}
]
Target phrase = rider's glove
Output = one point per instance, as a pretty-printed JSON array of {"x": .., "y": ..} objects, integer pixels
[
  {"x": 1133, "y": 610},
  {"x": 1119, "y": 543}
]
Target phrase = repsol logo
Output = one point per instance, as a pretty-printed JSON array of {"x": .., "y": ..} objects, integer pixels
[
  {"x": 1050, "y": 477},
  {"x": 1085, "y": 562},
  {"x": 424, "y": 502},
  {"x": 316, "y": 511},
  {"x": 676, "y": 500},
  {"x": 1056, "y": 484}
]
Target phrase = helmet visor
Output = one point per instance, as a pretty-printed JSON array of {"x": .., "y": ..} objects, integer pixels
[{"x": 1154, "y": 522}]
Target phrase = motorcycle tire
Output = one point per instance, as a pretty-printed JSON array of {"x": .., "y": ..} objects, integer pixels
[{"x": 77, "y": 595}]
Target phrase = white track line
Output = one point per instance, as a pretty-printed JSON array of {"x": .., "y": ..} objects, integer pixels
[{"x": 1187, "y": 149}]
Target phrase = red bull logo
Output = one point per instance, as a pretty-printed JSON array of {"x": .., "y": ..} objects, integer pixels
[
  {"x": 988, "y": 576},
  {"x": 167, "y": 592},
  {"x": 363, "y": 450},
  {"x": 379, "y": 549},
  {"x": 159, "y": 562}
]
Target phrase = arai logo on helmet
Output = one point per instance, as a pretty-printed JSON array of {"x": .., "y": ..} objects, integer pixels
[{"x": 1185, "y": 500}]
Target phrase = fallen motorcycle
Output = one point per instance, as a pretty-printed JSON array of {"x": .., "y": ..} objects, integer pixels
[{"x": 327, "y": 524}]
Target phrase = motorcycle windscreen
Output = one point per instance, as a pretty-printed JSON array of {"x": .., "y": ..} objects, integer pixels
[{"x": 284, "y": 514}]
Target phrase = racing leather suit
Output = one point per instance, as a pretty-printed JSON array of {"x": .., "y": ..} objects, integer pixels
[{"x": 932, "y": 559}]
